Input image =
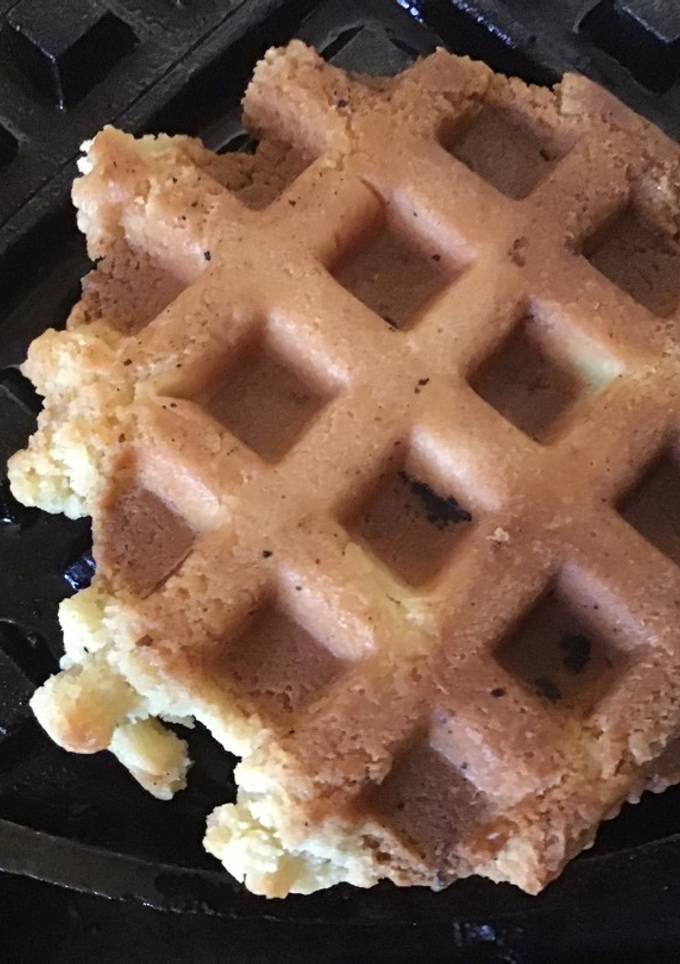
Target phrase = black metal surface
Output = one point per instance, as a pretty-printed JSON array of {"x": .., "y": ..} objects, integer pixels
[
  {"x": 82, "y": 822},
  {"x": 629, "y": 46}
]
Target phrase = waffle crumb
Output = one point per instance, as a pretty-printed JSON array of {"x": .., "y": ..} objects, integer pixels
[
  {"x": 373, "y": 425},
  {"x": 153, "y": 754}
]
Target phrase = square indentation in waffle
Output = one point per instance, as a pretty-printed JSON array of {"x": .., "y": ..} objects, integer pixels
[
  {"x": 653, "y": 505},
  {"x": 559, "y": 651},
  {"x": 504, "y": 149},
  {"x": 143, "y": 539},
  {"x": 426, "y": 804},
  {"x": 127, "y": 289},
  {"x": 265, "y": 399},
  {"x": 409, "y": 522},
  {"x": 395, "y": 270},
  {"x": 273, "y": 167},
  {"x": 276, "y": 666},
  {"x": 537, "y": 375},
  {"x": 640, "y": 258}
]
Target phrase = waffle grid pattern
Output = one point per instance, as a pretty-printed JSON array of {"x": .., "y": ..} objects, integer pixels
[{"x": 271, "y": 533}]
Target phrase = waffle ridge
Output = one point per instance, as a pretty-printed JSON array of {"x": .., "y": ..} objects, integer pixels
[{"x": 381, "y": 704}]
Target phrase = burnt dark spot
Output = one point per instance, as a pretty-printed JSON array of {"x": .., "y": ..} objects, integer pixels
[
  {"x": 548, "y": 688},
  {"x": 441, "y": 512},
  {"x": 518, "y": 251},
  {"x": 266, "y": 553},
  {"x": 423, "y": 381},
  {"x": 497, "y": 692},
  {"x": 128, "y": 361},
  {"x": 436, "y": 257},
  {"x": 207, "y": 255},
  {"x": 342, "y": 103},
  {"x": 577, "y": 649},
  {"x": 292, "y": 202}
]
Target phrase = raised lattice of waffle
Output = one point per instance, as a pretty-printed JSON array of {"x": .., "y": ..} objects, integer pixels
[{"x": 379, "y": 433}]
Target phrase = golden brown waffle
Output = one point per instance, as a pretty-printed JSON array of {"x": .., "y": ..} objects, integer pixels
[{"x": 387, "y": 496}]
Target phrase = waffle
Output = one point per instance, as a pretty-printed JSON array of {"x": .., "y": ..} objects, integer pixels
[{"x": 378, "y": 430}]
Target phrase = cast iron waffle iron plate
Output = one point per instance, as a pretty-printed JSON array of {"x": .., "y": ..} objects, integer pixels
[{"x": 82, "y": 821}]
